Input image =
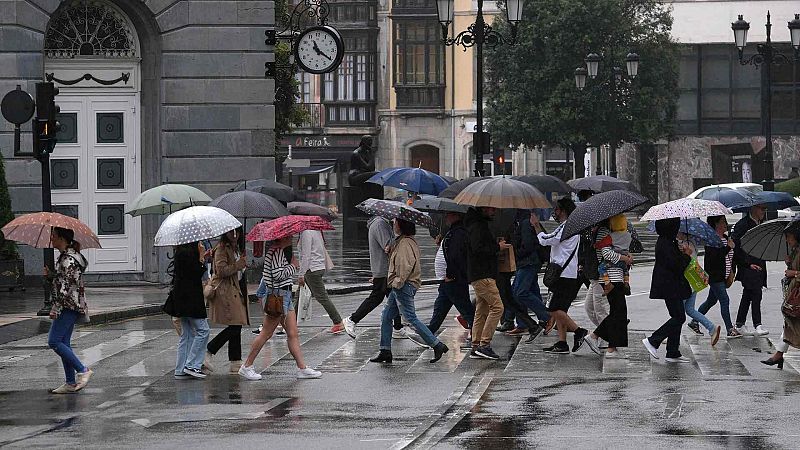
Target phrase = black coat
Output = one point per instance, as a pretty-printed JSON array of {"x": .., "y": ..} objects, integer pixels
[
  {"x": 714, "y": 263},
  {"x": 483, "y": 248},
  {"x": 526, "y": 244},
  {"x": 751, "y": 279},
  {"x": 455, "y": 246},
  {"x": 186, "y": 296},
  {"x": 668, "y": 282}
]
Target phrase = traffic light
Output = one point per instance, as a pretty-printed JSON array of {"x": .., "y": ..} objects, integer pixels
[
  {"x": 45, "y": 125},
  {"x": 499, "y": 159}
]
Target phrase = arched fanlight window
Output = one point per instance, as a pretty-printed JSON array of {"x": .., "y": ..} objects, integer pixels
[{"x": 89, "y": 28}]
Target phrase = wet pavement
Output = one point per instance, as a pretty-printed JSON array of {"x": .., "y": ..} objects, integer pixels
[{"x": 723, "y": 399}]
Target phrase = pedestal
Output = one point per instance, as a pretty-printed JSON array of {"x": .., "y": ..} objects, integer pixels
[{"x": 355, "y": 220}]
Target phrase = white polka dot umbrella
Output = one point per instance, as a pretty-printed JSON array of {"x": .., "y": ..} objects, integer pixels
[
  {"x": 686, "y": 208},
  {"x": 195, "y": 224}
]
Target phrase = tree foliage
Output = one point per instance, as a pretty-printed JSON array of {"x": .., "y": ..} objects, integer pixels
[
  {"x": 287, "y": 89},
  {"x": 531, "y": 94}
]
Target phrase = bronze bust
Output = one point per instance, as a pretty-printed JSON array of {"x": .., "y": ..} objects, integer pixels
[{"x": 362, "y": 162}]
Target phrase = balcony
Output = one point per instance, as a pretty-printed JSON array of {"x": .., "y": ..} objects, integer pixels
[
  {"x": 420, "y": 97},
  {"x": 338, "y": 114}
]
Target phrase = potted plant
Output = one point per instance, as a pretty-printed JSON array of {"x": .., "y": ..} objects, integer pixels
[{"x": 12, "y": 267}]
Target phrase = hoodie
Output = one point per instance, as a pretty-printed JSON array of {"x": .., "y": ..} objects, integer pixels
[
  {"x": 668, "y": 282},
  {"x": 483, "y": 248}
]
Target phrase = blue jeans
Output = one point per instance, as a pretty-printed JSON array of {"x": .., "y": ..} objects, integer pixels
[
  {"x": 718, "y": 291},
  {"x": 192, "y": 345},
  {"x": 526, "y": 291},
  {"x": 58, "y": 339},
  {"x": 688, "y": 306},
  {"x": 402, "y": 300},
  {"x": 451, "y": 294},
  {"x": 263, "y": 290}
]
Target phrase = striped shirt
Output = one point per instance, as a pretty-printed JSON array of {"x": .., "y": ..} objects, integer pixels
[
  {"x": 728, "y": 263},
  {"x": 440, "y": 263},
  {"x": 277, "y": 272},
  {"x": 609, "y": 257}
]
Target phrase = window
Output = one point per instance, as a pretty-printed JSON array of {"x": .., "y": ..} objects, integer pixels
[
  {"x": 786, "y": 95},
  {"x": 419, "y": 64},
  {"x": 349, "y": 92}
]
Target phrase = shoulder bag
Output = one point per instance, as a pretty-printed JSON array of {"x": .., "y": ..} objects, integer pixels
[
  {"x": 273, "y": 303},
  {"x": 553, "y": 271}
]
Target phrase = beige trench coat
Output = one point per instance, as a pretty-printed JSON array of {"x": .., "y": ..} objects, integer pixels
[{"x": 227, "y": 307}]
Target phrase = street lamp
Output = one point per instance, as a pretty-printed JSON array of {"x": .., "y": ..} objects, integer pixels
[
  {"x": 766, "y": 56},
  {"x": 477, "y": 35}
]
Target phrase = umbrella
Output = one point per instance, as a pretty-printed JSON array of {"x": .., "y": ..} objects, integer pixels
[
  {"x": 282, "y": 227},
  {"x": 195, "y": 224},
  {"x": 545, "y": 183},
  {"x": 395, "y": 210},
  {"x": 249, "y": 204},
  {"x": 450, "y": 180},
  {"x": 767, "y": 241},
  {"x": 436, "y": 204},
  {"x": 732, "y": 198},
  {"x": 167, "y": 199},
  {"x": 701, "y": 233},
  {"x": 276, "y": 190},
  {"x": 34, "y": 229},
  {"x": 502, "y": 193},
  {"x": 413, "y": 180},
  {"x": 772, "y": 200},
  {"x": 601, "y": 183},
  {"x": 686, "y": 208},
  {"x": 456, "y": 188},
  {"x": 312, "y": 209},
  {"x": 599, "y": 208}
]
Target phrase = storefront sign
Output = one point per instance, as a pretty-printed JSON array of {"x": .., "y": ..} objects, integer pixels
[{"x": 320, "y": 142}]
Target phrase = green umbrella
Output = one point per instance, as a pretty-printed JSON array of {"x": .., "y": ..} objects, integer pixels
[{"x": 167, "y": 199}]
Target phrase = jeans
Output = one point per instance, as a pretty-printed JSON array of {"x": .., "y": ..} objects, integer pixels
[
  {"x": 317, "y": 286},
  {"x": 527, "y": 292},
  {"x": 232, "y": 334},
  {"x": 688, "y": 305},
  {"x": 614, "y": 328},
  {"x": 750, "y": 296},
  {"x": 718, "y": 291},
  {"x": 58, "y": 339},
  {"x": 451, "y": 294},
  {"x": 488, "y": 311},
  {"x": 402, "y": 301},
  {"x": 596, "y": 303},
  {"x": 192, "y": 345},
  {"x": 379, "y": 292},
  {"x": 671, "y": 330}
]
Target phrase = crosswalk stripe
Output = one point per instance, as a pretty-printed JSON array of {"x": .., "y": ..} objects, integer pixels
[
  {"x": 452, "y": 337},
  {"x": 353, "y": 355},
  {"x": 718, "y": 360},
  {"x": 93, "y": 355},
  {"x": 637, "y": 363}
]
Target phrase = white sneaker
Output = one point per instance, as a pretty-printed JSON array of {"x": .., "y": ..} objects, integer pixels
[
  {"x": 745, "y": 331},
  {"x": 249, "y": 373},
  {"x": 653, "y": 351},
  {"x": 402, "y": 333},
  {"x": 760, "y": 331},
  {"x": 680, "y": 359},
  {"x": 593, "y": 343},
  {"x": 349, "y": 327},
  {"x": 64, "y": 389},
  {"x": 307, "y": 373},
  {"x": 82, "y": 379},
  {"x": 207, "y": 365}
]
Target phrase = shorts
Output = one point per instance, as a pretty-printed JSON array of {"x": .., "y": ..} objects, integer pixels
[
  {"x": 263, "y": 290},
  {"x": 563, "y": 294}
]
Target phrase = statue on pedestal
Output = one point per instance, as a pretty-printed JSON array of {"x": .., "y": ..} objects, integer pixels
[{"x": 362, "y": 162}]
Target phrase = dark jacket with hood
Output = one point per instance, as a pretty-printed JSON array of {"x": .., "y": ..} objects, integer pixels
[
  {"x": 751, "y": 279},
  {"x": 714, "y": 263},
  {"x": 668, "y": 282},
  {"x": 525, "y": 242},
  {"x": 456, "y": 248},
  {"x": 483, "y": 248},
  {"x": 186, "y": 296}
]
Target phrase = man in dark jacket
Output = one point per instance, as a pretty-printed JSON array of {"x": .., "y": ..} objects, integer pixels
[
  {"x": 481, "y": 272},
  {"x": 527, "y": 294},
  {"x": 454, "y": 289},
  {"x": 669, "y": 284},
  {"x": 751, "y": 272}
]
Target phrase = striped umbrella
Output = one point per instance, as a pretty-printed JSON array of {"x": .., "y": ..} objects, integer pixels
[
  {"x": 502, "y": 193},
  {"x": 34, "y": 229},
  {"x": 282, "y": 227}
]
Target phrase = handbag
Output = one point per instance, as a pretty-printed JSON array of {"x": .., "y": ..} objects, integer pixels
[
  {"x": 731, "y": 277},
  {"x": 304, "y": 303},
  {"x": 273, "y": 303},
  {"x": 210, "y": 290},
  {"x": 696, "y": 276},
  {"x": 507, "y": 261},
  {"x": 553, "y": 271},
  {"x": 791, "y": 303}
]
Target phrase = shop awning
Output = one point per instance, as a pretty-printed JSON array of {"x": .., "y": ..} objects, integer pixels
[{"x": 313, "y": 169}]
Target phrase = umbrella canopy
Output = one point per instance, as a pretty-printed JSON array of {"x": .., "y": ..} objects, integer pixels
[
  {"x": 502, "y": 193},
  {"x": 34, "y": 229},
  {"x": 771, "y": 199},
  {"x": 276, "y": 190},
  {"x": 312, "y": 209},
  {"x": 395, "y": 210},
  {"x": 195, "y": 224},
  {"x": 545, "y": 183},
  {"x": 732, "y": 198},
  {"x": 282, "y": 227},
  {"x": 456, "y": 188},
  {"x": 686, "y": 208},
  {"x": 700, "y": 232},
  {"x": 601, "y": 183},
  {"x": 436, "y": 204},
  {"x": 450, "y": 180},
  {"x": 767, "y": 241},
  {"x": 167, "y": 199},
  {"x": 249, "y": 204},
  {"x": 413, "y": 180},
  {"x": 599, "y": 208}
]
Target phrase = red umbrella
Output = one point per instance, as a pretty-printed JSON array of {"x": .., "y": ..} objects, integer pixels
[
  {"x": 287, "y": 226},
  {"x": 34, "y": 229}
]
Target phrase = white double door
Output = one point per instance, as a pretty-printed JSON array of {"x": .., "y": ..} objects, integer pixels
[{"x": 95, "y": 174}]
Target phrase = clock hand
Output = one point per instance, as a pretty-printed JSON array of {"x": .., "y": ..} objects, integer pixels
[{"x": 320, "y": 52}]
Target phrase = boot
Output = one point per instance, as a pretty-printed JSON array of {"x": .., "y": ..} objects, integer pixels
[
  {"x": 439, "y": 350},
  {"x": 234, "y": 368},
  {"x": 384, "y": 356}
]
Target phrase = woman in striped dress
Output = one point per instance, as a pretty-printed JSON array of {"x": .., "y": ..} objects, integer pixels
[{"x": 277, "y": 278}]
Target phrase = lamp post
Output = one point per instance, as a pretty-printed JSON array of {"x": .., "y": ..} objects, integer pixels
[
  {"x": 766, "y": 57},
  {"x": 477, "y": 35},
  {"x": 591, "y": 70}
]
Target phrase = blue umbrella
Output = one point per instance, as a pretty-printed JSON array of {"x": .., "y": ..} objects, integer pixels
[
  {"x": 772, "y": 200},
  {"x": 700, "y": 233},
  {"x": 417, "y": 180},
  {"x": 734, "y": 199}
]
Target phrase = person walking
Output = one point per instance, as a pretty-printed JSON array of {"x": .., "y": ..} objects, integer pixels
[
  {"x": 380, "y": 236},
  {"x": 791, "y": 325},
  {"x": 751, "y": 272},
  {"x": 525, "y": 289},
  {"x": 689, "y": 303},
  {"x": 404, "y": 280},
  {"x": 563, "y": 293},
  {"x": 278, "y": 273},
  {"x": 227, "y": 306},
  {"x": 69, "y": 303},
  {"x": 314, "y": 261},
  {"x": 185, "y": 301},
  {"x": 669, "y": 284}
]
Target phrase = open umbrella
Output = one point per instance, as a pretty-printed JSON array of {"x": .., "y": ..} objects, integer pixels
[
  {"x": 545, "y": 183},
  {"x": 282, "y": 227},
  {"x": 772, "y": 200},
  {"x": 194, "y": 224},
  {"x": 276, "y": 190},
  {"x": 732, "y": 198},
  {"x": 395, "y": 210},
  {"x": 436, "y": 204},
  {"x": 700, "y": 232},
  {"x": 599, "y": 208},
  {"x": 250, "y": 205},
  {"x": 312, "y": 209},
  {"x": 167, "y": 199},
  {"x": 686, "y": 208},
  {"x": 456, "y": 188},
  {"x": 767, "y": 241},
  {"x": 34, "y": 229},
  {"x": 502, "y": 193},
  {"x": 601, "y": 183},
  {"x": 413, "y": 180}
]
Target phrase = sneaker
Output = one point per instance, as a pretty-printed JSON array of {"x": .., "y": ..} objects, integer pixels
[
  {"x": 745, "y": 331},
  {"x": 577, "y": 343},
  {"x": 733, "y": 333},
  {"x": 349, "y": 327},
  {"x": 505, "y": 326},
  {"x": 534, "y": 333},
  {"x": 602, "y": 344},
  {"x": 653, "y": 351},
  {"x": 615, "y": 355},
  {"x": 679, "y": 359},
  {"x": 487, "y": 352},
  {"x": 473, "y": 354},
  {"x": 761, "y": 331},
  {"x": 308, "y": 373},
  {"x": 517, "y": 331},
  {"x": 559, "y": 347},
  {"x": 182, "y": 376},
  {"x": 402, "y": 333},
  {"x": 549, "y": 325},
  {"x": 257, "y": 330},
  {"x": 82, "y": 379},
  {"x": 64, "y": 389},
  {"x": 461, "y": 321},
  {"x": 715, "y": 335},
  {"x": 197, "y": 373},
  {"x": 249, "y": 373},
  {"x": 694, "y": 326},
  {"x": 593, "y": 343},
  {"x": 466, "y": 344},
  {"x": 207, "y": 364},
  {"x": 337, "y": 329}
]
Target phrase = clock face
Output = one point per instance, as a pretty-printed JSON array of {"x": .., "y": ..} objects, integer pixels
[{"x": 319, "y": 50}]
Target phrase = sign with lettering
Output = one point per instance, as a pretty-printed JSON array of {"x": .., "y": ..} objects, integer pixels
[{"x": 320, "y": 142}]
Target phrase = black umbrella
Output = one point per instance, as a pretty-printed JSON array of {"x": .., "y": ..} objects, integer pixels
[
  {"x": 312, "y": 209},
  {"x": 602, "y": 183},
  {"x": 248, "y": 204},
  {"x": 276, "y": 190},
  {"x": 436, "y": 204},
  {"x": 599, "y": 208},
  {"x": 456, "y": 188},
  {"x": 545, "y": 183},
  {"x": 767, "y": 241}
]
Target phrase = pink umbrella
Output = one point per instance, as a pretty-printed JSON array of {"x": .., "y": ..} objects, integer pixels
[
  {"x": 287, "y": 226},
  {"x": 34, "y": 229}
]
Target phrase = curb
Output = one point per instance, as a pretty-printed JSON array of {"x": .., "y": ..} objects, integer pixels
[{"x": 124, "y": 314}]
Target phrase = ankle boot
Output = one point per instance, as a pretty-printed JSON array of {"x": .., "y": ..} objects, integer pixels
[
  {"x": 384, "y": 356},
  {"x": 439, "y": 350}
]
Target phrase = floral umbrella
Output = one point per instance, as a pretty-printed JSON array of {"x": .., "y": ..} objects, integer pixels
[
  {"x": 686, "y": 208},
  {"x": 34, "y": 229},
  {"x": 395, "y": 210},
  {"x": 282, "y": 227}
]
